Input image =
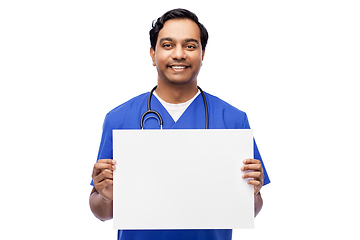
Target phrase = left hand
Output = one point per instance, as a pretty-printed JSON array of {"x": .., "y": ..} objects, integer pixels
[{"x": 256, "y": 172}]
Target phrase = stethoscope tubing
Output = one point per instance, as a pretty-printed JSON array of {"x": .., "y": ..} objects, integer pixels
[{"x": 159, "y": 116}]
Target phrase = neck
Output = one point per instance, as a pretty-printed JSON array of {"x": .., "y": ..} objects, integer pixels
[{"x": 176, "y": 93}]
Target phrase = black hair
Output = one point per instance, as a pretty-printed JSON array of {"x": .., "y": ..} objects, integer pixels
[{"x": 178, "y": 13}]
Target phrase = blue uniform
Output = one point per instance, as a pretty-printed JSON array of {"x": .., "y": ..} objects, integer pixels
[{"x": 127, "y": 116}]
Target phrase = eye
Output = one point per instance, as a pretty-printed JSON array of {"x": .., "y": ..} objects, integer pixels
[
  {"x": 167, "y": 45},
  {"x": 190, "y": 47}
]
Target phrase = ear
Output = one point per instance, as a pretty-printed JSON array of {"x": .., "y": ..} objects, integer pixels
[
  {"x": 202, "y": 56},
  {"x": 152, "y": 55}
]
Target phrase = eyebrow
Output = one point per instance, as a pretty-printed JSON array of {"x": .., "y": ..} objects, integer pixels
[
  {"x": 186, "y": 40},
  {"x": 192, "y": 40},
  {"x": 166, "y": 39}
]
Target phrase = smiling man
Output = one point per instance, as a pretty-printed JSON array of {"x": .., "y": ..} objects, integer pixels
[
  {"x": 178, "y": 56},
  {"x": 178, "y": 42}
]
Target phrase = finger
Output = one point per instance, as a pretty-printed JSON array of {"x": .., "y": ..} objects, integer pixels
[
  {"x": 103, "y": 164},
  {"x": 106, "y": 174},
  {"x": 108, "y": 160},
  {"x": 255, "y": 167},
  {"x": 255, "y": 183},
  {"x": 255, "y": 175},
  {"x": 103, "y": 184},
  {"x": 251, "y": 161}
]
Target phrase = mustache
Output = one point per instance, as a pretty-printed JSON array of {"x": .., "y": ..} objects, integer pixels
[{"x": 179, "y": 63}]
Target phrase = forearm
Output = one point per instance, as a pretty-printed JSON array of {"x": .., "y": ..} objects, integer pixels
[
  {"x": 258, "y": 202},
  {"x": 101, "y": 208}
]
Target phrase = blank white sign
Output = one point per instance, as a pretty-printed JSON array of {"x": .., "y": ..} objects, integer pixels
[{"x": 182, "y": 179}]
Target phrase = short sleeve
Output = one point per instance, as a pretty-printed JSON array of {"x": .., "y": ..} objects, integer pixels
[
  {"x": 257, "y": 153},
  {"x": 105, "y": 149}
]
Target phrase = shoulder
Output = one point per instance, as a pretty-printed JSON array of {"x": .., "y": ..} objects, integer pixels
[
  {"x": 222, "y": 105},
  {"x": 231, "y": 116},
  {"x": 129, "y": 104},
  {"x": 122, "y": 111}
]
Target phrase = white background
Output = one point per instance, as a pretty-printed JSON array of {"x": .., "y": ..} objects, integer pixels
[{"x": 293, "y": 66}]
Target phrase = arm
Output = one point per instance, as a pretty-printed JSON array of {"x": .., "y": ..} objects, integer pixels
[
  {"x": 258, "y": 204},
  {"x": 101, "y": 197},
  {"x": 257, "y": 180},
  {"x": 101, "y": 208}
]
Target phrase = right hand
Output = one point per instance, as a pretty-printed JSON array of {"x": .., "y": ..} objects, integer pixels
[{"x": 103, "y": 178}]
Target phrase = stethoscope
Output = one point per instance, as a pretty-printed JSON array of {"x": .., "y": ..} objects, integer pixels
[{"x": 159, "y": 116}]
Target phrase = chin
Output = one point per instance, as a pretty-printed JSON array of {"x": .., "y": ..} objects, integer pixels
[{"x": 181, "y": 81}]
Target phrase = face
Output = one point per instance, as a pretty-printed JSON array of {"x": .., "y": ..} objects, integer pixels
[{"x": 178, "y": 55}]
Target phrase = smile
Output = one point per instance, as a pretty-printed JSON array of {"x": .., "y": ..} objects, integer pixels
[{"x": 178, "y": 67}]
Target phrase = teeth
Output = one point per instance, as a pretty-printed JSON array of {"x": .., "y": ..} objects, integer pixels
[{"x": 178, "y": 67}]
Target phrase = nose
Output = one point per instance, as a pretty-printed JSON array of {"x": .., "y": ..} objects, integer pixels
[{"x": 178, "y": 53}]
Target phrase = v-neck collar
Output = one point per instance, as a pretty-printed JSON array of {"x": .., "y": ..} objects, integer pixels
[
  {"x": 176, "y": 110},
  {"x": 193, "y": 116},
  {"x": 156, "y": 105}
]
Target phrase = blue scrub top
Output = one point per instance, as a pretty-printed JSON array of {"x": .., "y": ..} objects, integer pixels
[{"x": 127, "y": 116}]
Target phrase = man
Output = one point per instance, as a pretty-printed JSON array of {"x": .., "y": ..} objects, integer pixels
[{"x": 178, "y": 43}]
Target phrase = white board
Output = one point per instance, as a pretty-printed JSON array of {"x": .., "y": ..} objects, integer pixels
[{"x": 182, "y": 179}]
